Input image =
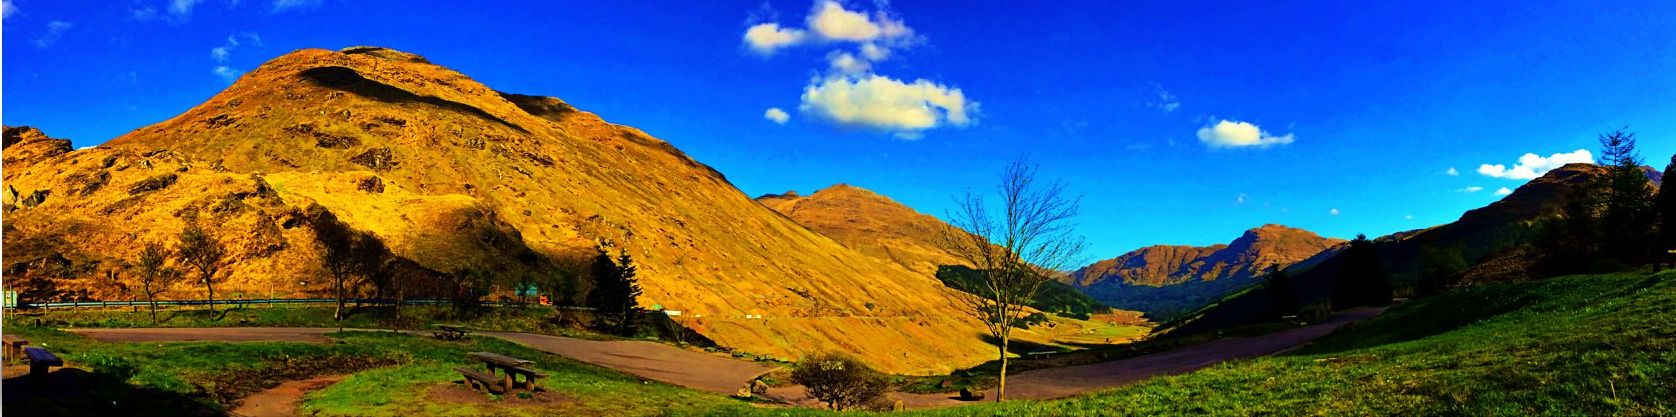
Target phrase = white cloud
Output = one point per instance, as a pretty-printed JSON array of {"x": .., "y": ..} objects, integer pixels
[
  {"x": 221, "y": 54},
  {"x": 831, "y": 21},
  {"x": 1333, "y": 212},
  {"x": 1452, "y": 172},
  {"x": 183, "y": 7},
  {"x": 847, "y": 63},
  {"x": 774, "y": 114},
  {"x": 282, "y": 5},
  {"x": 1240, "y": 199},
  {"x": 1408, "y": 217},
  {"x": 874, "y": 52},
  {"x": 1532, "y": 165},
  {"x": 144, "y": 12},
  {"x": 1504, "y": 191},
  {"x": 885, "y": 103},
  {"x": 1165, "y": 100},
  {"x": 6, "y": 9},
  {"x": 226, "y": 73},
  {"x": 767, "y": 38},
  {"x": 1472, "y": 189},
  {"x": 1233, "y": 134},
  {"x": 55, "y": 30}
]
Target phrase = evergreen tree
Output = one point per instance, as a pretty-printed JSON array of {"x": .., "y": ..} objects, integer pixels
[
  {"x": 1282, "y": 296},
  {"x": 616, "y": 294},
  {"x": 1570, "y": 243},
  {"x": 1667, "y": 206},
  {"x": 1362, "y": 279},
  {"x": 1626, "y": 214}
]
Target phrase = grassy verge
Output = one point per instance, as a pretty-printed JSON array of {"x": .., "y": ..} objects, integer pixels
[
  {"x": 533, "y": 319},
  {"x": 393, "y": 374},
  {"x": 1579, "y": 345}
]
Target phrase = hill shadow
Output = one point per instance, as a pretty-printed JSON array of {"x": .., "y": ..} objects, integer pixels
[{"x": 348, "y": 80}]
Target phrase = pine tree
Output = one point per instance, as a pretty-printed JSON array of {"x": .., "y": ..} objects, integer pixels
[
  {"x": 615, "y": 297},
  {"x": 1282, "y": 296},
  {"x": 1626, "y": 214},
  {"x": 1667, "y": 206},
  {"x": 1362, "y": 279}
]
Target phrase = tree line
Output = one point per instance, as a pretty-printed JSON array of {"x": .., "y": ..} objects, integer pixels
[{"x": 358, "y": 264}]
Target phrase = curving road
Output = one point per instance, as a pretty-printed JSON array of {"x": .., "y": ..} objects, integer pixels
[{"x": 725, "y": 375}]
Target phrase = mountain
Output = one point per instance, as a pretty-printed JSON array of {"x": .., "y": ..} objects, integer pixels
[
  {"x": 885, "y": 229},
  {"x": 870, "y": 223},
  {"x": 1165, "y": 280},
  {"x": 1492, "y": 240},
  {"x": 455, "y": 176}
]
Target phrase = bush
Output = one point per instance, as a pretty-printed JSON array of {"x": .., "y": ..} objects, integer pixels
[
  {"x": 838, "y": 380},
  {"x": 114, "y": 368}
]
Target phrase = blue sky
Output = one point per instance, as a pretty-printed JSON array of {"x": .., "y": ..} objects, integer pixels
[{"x": 1178, "y": 122}]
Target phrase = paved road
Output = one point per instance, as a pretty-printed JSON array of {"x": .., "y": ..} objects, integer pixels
[
  {"x": 1073, "y": 380},
  {"x": 705, "y": 371},
  {"x": 725, "y": 375}
]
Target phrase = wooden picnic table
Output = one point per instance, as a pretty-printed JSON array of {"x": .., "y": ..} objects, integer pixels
[
  {"x": 501, "y": 372},
  {"x": 14, "y": 346}
]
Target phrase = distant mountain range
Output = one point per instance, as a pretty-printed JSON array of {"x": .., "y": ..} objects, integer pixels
[
  {"x": 1493, "y": 240},
  {"x": 1165, "y": 280}
]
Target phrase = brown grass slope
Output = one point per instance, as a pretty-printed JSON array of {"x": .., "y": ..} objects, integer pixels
[
  {"x": 451, "y": 173},
  {"x": 870, "y": 223},
  {"x": 1164, "y": 280}
]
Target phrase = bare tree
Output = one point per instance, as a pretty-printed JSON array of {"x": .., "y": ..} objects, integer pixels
[
  {"x": 202, "y": 252},
  {"x": 154, "y": 276},
  {"x": 1025, "y": 240}
]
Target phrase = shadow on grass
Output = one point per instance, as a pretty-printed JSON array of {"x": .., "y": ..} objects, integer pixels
[{"x": 75, "y": 392}]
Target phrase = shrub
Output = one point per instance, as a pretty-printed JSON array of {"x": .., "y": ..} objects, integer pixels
[{"x": 838, "y": 380}]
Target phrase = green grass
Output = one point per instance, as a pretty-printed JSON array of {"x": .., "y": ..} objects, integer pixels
[
  {"x": 1580, "y": 345},
  {"x": 1569, "y": 346},
  {"x": 392, "y": 375},
  {"x": 533, "y": 319}
]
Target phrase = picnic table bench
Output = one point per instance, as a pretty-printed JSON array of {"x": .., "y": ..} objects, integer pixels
[
  {"x": 500, "y": 371},
  {"x": 449, "y": 332},
  {"x": 14, "y": 346},
  {"x": 40, "y": 360}
]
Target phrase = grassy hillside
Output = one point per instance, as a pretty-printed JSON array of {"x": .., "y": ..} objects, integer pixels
[
  {"x": 1578, "y": 345},
  {"x": 1055, "y": 296}
]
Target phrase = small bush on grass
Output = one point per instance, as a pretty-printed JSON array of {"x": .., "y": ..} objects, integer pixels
[{"x": 838, "y": 380}]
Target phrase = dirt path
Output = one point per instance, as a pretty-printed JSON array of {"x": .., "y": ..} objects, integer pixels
[
  {"x": 709, "y": 372},
  {"x": 281, "y": 401},
  {"x": 725, "y": 375}
]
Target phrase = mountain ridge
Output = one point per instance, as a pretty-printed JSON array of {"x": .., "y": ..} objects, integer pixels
[{"x": 455, "y": 175}]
